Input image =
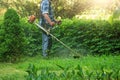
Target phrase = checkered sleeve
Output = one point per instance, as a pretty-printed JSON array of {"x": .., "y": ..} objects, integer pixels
[{"x": 45, "y": 7}]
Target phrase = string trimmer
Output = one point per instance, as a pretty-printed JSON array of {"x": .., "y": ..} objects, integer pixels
[{"x": 75, "y": 54}]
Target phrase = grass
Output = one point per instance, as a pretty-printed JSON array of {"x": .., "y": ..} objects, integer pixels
[{"x": 17, "y": 71}]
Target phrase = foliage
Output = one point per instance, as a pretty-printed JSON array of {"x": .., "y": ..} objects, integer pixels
[
  {"x": 75, "y": 74},
  {"x": 24, "y": 8},
  {"x": 32, "y": 72},
  {"x": 69, "y": 7},
  {"x": 11, "y": 43},
  {"x": 32, "y": 37},
  {"x": 90, "y": 65},
  {"x": 96, "y": 37}
]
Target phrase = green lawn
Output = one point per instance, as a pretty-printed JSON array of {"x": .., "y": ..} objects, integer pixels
[{"x": 17, "y": 71}]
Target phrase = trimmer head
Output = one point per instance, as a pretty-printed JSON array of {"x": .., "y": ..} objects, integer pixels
[{"x": 76, "y": 56}]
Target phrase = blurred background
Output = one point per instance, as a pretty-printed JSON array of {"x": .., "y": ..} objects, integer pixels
[{"x": 64, "y": 8}]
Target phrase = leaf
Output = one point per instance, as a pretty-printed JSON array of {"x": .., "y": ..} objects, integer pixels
[{"x": 60, "y": 67}]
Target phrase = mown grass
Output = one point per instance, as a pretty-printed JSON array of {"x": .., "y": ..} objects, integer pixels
[{"x": 17, "y": 71}]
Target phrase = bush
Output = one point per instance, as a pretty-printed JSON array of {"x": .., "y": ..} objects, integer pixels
[
  {"x": 12, "y": 42},
  {"x": 33, "y": 38},
  {"x": 91, "y": 36}
]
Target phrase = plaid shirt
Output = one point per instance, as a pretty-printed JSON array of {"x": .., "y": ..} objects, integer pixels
[{"x": 46, "y": 8}]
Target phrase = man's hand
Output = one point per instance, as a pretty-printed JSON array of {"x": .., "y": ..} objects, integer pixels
[{"x": 52, "y": 24}]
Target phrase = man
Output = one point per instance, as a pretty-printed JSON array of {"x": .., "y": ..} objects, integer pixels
[{"x": 47, "y": 21}]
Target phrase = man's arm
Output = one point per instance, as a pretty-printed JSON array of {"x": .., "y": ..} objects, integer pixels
[{"x": 46, "y": 16}]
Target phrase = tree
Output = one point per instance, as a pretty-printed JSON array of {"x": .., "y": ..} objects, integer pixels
[
  {"x": 63, "y": 8},
  {"x": 69, "y": 7},
  {"x": 12, "y": 42}
]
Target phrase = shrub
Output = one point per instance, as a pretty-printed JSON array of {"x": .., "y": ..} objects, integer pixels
[
  {"x": 94, "y": 36},
  {"x": 32, "y": 37},
  {"x": 12, "y": 42}
]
